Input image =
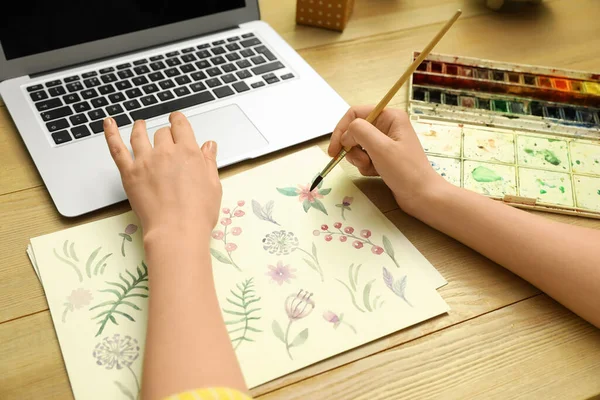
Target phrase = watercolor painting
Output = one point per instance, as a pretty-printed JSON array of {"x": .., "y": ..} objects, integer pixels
[
  {"x": 486, "y": 145},
  {"x": 281, "y": 273},
  {"x": 539, "y": 152},
  {"x": 264, "y": 213},
  {"x": 345, "y": 205},
  {"x": 362, "y": 297},
  {"x": 585, "y": 158},
  {"x": 225, "y": 255},
  {"x": 439, "y": 139},
  {"x": 308, "y": 198},
  {"x": 243, "y": 309},
  {"x": 297, "y": 307},
  {"x": 284, "y": 243},
  {"x": 336, "y": 320},
  {"x": 547, "y": 186},
  {"x": 494, "y": 180},
  {"x": 449, "y": 168},
  {"x": 398, "y": 286},
  {"x": 126, "y": 235},
  {"x": 587, "y": 192},
  {"x": 119, "y": 352},
  {"x": 78, "y": 299},
  {"x": 95, "y": 263}
]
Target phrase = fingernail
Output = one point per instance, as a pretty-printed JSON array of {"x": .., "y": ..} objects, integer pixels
[
  {"x": 211, "y": 146},
  {"x": 108, "y": 121}
]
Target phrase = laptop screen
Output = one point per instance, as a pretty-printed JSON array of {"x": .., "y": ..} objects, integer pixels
[{"x": 38, "y": 26}]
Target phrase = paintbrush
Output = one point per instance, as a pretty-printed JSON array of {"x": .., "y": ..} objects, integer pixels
[{"x": 386, "y": 99}]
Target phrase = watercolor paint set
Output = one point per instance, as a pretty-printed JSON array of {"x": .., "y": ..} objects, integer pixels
[{"x": 526, "y": 135}]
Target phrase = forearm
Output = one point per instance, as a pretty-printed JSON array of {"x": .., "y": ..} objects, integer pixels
[
  {"x": 560, "y": 259},
  {"x": 187, "y": 345}
]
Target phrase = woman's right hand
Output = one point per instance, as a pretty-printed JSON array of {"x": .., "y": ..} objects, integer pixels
[{"x": 391, "y": 149}]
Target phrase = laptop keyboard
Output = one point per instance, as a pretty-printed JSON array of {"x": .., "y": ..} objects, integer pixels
[{"x": 74, "y": 107}]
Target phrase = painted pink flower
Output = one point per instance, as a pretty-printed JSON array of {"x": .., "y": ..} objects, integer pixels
[
  {"x": 218, "y": 235},
  {"x": 347, "y": 201},
  {"x": 316, "y": 232},
  {"x": 239, "y": 213},
  {"x": 332, "y": 317},
  {"x": 349, "y": 230},
  {"x": 299, "y": 305},
  {"x": 241, "y": 203},
  {"x": 324, "y": 227},
  {"x": 226, "y": 221},
  {"x": 357, "y": 244},
  {"x": 226, "y": 210},
  {"x": 80, "y": 298},
  {"x": 306, "y": 194},
  {"x": 343, "y": 238},
  {"x": 230, "y": 247},
  {"x": 365, "y": 233},
  {"x": 236, "y": 231},
  {"x": 328, "y": 238},
  {"x": 376, "y": 250},
  {"x": 281, "y": 273},
  {"x": 337, "y": 225}
]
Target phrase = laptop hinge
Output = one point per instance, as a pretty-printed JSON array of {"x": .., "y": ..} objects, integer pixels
[{"x": 71, "y": 66}]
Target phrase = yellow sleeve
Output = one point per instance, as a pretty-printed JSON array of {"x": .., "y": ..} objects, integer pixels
[{"x": 210, "y": 394}]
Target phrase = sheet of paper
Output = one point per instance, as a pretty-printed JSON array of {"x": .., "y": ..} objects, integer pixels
[{"x": 300, "y": 277}]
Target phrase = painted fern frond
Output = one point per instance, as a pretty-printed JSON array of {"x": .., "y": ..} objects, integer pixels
[
  {"x": 130, "y": 285},
  {"x": 244, "y": 307}
]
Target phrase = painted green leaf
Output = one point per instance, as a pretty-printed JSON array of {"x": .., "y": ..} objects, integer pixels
[
  {"x": 88, "y": 264},
  {"x": 128, "y": 238},
  {"x": 351, "y": 277},
  {"x": 300, "y": 338},
  {"x": 324, "y": 192},
  {"x": 306, "y": 205},
  {"x": 319, "y": 206},
  {"x": 387, "y": 245},
  {"x": 339, "y": 205},
  {"x": 242, "y": 326},
  {"x": 314, "y": 251},
  {"x": 310, "y": 263},
  {"x": 72, "y": 252},
  {"x": 277, "y": 331},
  {"x": 367, "y": 295},
  {"x": 220, "y": 256},
  {"x": 125, "y": 391},
  {"x": 288, "y": 191}
]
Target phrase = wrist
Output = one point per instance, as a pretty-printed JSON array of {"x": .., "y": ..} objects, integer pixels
[{"x": 431, "y": 199}]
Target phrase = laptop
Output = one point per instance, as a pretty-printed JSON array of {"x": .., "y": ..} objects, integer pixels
[{"x": 66, "y": 65}]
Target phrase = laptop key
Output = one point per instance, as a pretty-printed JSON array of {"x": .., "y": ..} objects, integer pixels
[
  {"x": 139, "y": 80},
  {"x": 228, "y": 67},
  {"x": 257, "y": 84},
  {"x": 151, "y": 88},
  {"x": 203, "y": 46},
  {"x": 188, "y": 58},
  {"x": 122, "y": 120},
  {"x": 250, "y": 42},
  {"x": 34, "y": 88},
  {"x": 213, "y": 71},
  {"x": 183, "y": 80},
  {"x": 48, "y": 104},
  {"x": 132, "y": 93},
  {"x": 263, "y": 69},
  {"x": 114, "y": 109},
  {"x": 57, "y": 91},
  {"x": 92, "y": 82},
  {"x": 71, "y": 79},
  {"x": 106, "y": 89},
  {"x": 272, "y": 80},
  {"x": 99, "y": 102},
  {"x": 89, "y": 93},
  {"x": 166, "y": 95},
  {"x": 37, "y": 96},
  {"x": 202, "y": 64},
  {"x": 173, "y": 105},
  {"x": 265, "y": 52},
  {"x": 258, "y": 60},
  {"x": 218, "y": 42},
  {"x": 123, "y": 66},
  {"x": 171, "y": 72},
  {"x": 57, "y": 125},
  {"x": 243, "y": 64},
  {"x": 122, "y": 85},
  {"x": 96, "y": 114},
  {"x": 187, "y": 68},
  {"x": 182, "y": 91},
  {"x": 247, "y": 53},
  {"x": 213, "y": 82},
  {"x": 218, "y": 50},
  {"x": 116, "y": 97},
  {"x": 166, "y": 84},
  {"x": 56, "y": 113},
  {"x": 78, "y": 120},
  {"x": 240, "y": 87},
  {"x": 172, "y": 53},
  {"x": 108, "y": 78},
  {"x": 148, "y": 100},
  {"x": 141, "y": 70},
  {"x": 89, "y": 74},
  {"x": 197, "y": 76},
  {"x": 232, "y": 56},
  {"x": 125, "y": 74},
  {"x": 233, "y": 39},
  {"x": 197, "y": 87},
  {"x": 132, "y": 104},
  {"x": 80, "y": 131},
  {"x": 172, "y": 62},
  {"x": 233, "y": 47},
  {"x": 243, "y": 74},
  {"x": 156, "y": 58},
  {"x": 218, "y": 60},
  {"x": 247, "y": 35},
  {"x": 97, "y": 126},
  {"x": 158, "y": 65},
  {"x": 287, "y": 76},
  {"x": 106, "y": 70},
  {"x": 223, "y": 91},
  {"x": 61, "y": 137},
  {"x": 71, "y": 98},
  {"x": 229, "y": 78},
  {"x": 203, "y": 54},
  {"x": 81, "y": 107},
  {"x": 140, "y": 62},
  {"x": 74, "y": 87},
  {"x": 53, "y": 83},
  {"x": 187, "y": 50},
  {"x": 156, "y": 76}
]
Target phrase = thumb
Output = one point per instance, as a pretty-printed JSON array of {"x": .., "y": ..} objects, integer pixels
[
  {"x": 363, "y": 134},
  {"x": 209, "y": 149}
]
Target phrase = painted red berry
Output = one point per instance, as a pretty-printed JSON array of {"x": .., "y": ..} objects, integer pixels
[
  {"x": 324, "y": 227},
  {"x": 316, "y": 232},
  {"x": 357, "y": 244},
  {"x": 241, "y": 203},
  {"x": 365, "y": 233},
  {"x": 239, "y": 213},
  {"x": 343, "y": 238},
  {"x": 376, "y": 250},
  {"x": 337, "y": 225},
  {"x": 226, "y": 210},
  {"x": 328, "y": 238},
  {"x": 349, "y": 230}
]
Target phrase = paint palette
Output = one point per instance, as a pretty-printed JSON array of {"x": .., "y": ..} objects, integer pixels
[{"x": 527, "y": 135}]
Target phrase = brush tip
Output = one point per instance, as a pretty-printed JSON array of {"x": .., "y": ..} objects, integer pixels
[{"x": 316, "y": 183}]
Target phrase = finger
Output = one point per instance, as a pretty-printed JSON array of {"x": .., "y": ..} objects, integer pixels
[
  {"x": 362, "y": 162},
  {"x": 118, "y": 150},
  {"x": 209, "y": 149},
  {"x": 181, "y": 129},
  {"x": 354, "y": 112},
  {"x": 139, "y": 139},
  {"x": 163, "y": 137},
  {"x": 363, "y": 134}
]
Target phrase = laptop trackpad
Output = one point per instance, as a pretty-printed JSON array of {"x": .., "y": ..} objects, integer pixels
[{"x": 234, "y": 133}]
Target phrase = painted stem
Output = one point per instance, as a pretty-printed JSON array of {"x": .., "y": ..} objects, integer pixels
[
  {"x": 351, "y": 235},
  {"x": 287, "y": 345},
  {"x": 68, "y": 307},
  {"x": 319, "y": 270},
  {"x": 123, "y": 247},
  {"x": 137, "y": 383},
  {"x": 343, "y": 209},
  {"x": 71, "y": 264},
  {"x": 349, "y": 326},
  {"x": 231, "y": 216}
]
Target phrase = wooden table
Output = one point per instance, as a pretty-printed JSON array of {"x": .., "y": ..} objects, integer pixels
[{"x": 503, "y": 338}]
